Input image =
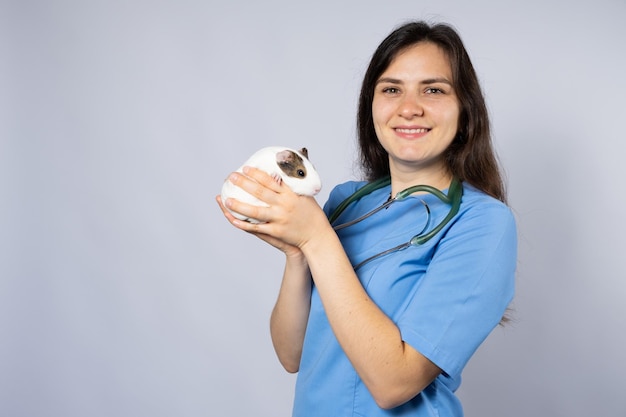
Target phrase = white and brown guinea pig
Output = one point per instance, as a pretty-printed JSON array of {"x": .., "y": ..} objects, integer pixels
[{"x": 283, "y": 164}]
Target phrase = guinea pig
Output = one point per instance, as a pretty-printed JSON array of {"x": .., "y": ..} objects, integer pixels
[{"x": 284, "y": 165}]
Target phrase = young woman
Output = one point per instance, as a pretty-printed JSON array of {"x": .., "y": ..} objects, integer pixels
[{"x": 381, "y": 306}]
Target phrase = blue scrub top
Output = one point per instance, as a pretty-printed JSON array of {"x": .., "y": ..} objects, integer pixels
[{"x": 445, "y": 296}]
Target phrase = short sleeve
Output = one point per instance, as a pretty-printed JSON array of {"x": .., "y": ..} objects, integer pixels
[{"x": 467, "y": 287}]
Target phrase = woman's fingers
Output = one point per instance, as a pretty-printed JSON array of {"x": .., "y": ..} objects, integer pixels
[
  {"x": 260, "y": 213},
  {"x": 229, "y": 216},
  {"x": 257, "y": 183},
  {"x": 237, "y": 206},
  {"x": 248, "y": 227},
  {"x": 285, "y": 216},
  {"x": 260, "y": 185},
  {"x": 274, "y": 183}
]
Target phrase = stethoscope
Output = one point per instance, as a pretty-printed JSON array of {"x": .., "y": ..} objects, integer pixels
[{"x": 455, "y": 193}]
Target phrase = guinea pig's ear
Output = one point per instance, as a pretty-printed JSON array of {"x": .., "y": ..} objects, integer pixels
[{"x": 305, "y": 152}]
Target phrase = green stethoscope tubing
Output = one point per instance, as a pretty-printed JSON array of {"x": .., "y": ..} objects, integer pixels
[{"x": 455, "y": 194}]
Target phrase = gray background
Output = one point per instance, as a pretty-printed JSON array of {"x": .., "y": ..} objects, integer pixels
[{"x": 123, "y": 291}]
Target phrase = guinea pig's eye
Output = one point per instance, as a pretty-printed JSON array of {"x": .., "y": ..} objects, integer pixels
[{"x": 301, "y": 173}]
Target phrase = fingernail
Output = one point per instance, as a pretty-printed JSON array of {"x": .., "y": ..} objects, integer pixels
[
  {"x": 246, "y": 169},
  {"x": 233, "y": 177}
]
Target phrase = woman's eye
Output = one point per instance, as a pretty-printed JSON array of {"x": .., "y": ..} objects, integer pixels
[
  {"x": 391, "y": 90},
  {"x": 434, "y": 90}
]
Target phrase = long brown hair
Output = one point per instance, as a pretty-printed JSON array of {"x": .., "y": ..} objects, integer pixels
[{"x": 470, "y": 157}]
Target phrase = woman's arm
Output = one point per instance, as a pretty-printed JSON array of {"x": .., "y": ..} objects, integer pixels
[
  {"x": 291, "y": 312},
  {"x": 393, "y": 371}
]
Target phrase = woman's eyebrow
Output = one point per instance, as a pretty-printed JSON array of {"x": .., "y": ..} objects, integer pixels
[
  {"x": 388, "y": 80},
  {"x": 436, "y": 80},
  {"x": 426, "y": 81}
]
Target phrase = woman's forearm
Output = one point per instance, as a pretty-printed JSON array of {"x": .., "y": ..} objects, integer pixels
[
  {"x": 393, "y": 371},
  {"x": 291, "y": 312}
]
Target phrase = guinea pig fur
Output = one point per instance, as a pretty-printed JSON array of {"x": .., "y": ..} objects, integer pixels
[{"x": 284, "y": 164}]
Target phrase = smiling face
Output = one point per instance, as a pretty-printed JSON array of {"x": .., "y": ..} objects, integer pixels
[{"x": 416, "y": 112}]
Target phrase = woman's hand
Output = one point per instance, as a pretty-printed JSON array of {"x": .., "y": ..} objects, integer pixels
[
  {"x": 288, "y": 250},
  {"x": 290, "y": 220}
]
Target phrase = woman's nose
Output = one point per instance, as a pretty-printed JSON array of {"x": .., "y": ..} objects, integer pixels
[{"x": 410, "y": 107}]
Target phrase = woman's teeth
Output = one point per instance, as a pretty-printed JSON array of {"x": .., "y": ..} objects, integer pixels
[{"x": 412, "y": 130}]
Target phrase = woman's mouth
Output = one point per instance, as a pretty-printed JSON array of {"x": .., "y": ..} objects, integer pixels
[{"x": 411, "y": 131}]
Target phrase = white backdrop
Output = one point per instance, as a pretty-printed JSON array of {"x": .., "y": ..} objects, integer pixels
[{"x": 123, "y": 291}]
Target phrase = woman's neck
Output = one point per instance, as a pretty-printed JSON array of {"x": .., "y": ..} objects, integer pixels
[{"x": 439, "y": 178}]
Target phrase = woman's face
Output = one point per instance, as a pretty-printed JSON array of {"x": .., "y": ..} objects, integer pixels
[{"x": 415, "y": 109}]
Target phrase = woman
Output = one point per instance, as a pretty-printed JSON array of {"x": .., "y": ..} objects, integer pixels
[{"x": 380, "y": 332}]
